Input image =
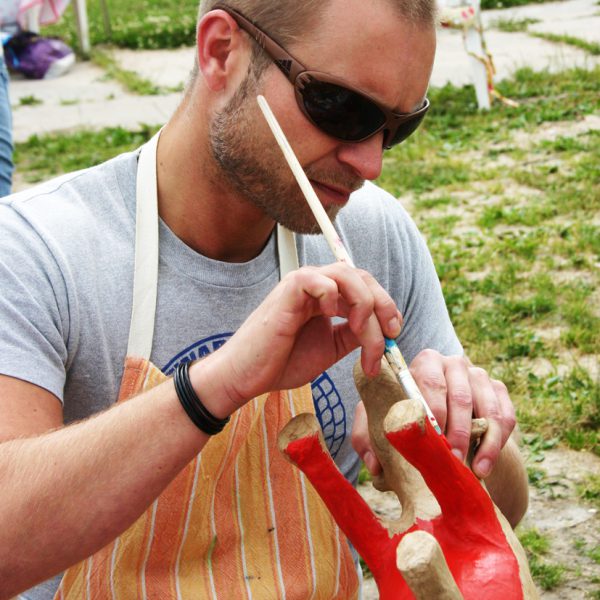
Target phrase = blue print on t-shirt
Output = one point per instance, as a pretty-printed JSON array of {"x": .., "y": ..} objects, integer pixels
[{"x": 328, "y": 404}]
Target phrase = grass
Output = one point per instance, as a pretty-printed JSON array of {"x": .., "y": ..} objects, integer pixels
[
  {"x": 147, "y": 24},
  {"x": 512, "y": 226},
  {"x": 42, "y": 157},
  {"x": 590, "y": 491},
  {"x": 513, "y": 25},
  {"x": 172, "y": 24},
  {"x": 130, "y": 80},
  {"x": 547, "y": 575},
  {"x": 592, "y": 47},
  {"x": 485, "y": 4},
  {"x": 30, "y": 101}
]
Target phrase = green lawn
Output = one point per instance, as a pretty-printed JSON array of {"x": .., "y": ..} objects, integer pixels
[{"x": 509, "y": 202}]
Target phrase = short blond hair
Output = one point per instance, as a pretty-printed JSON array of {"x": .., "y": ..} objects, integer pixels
[{"x": 287, "y": 20}]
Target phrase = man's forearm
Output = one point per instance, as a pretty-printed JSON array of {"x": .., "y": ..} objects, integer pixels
[
  {"x": 67, "y": 493},
  {"x": 508, "y": 484}
]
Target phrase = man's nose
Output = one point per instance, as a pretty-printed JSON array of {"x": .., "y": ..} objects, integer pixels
[{"x": 364, "y": 158}]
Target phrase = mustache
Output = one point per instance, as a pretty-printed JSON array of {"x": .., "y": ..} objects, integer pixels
[{"x": 344, "y": 180}]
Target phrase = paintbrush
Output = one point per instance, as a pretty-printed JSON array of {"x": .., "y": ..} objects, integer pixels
[{"x": 392, "y": 352}]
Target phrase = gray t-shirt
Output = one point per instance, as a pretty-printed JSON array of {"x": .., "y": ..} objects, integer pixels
[{"x": 66, "y": 275}]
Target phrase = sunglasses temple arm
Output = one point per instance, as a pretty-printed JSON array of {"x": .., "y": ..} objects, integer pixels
[{"x": 392, "y": 352}]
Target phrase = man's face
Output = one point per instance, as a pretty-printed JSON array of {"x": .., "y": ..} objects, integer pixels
[{"x": 371, "y": 48}]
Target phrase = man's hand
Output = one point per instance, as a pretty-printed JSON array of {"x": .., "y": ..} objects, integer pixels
[
  {"x": 290, "y": 338},
  {"x": 456, "y": 391}
]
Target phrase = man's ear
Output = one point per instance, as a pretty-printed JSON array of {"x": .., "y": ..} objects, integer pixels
[{"x": 220, "y": 48}]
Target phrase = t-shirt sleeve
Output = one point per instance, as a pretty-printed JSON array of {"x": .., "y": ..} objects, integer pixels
[
  {"x": 388, "y": 244},
  {"x": 426, "y": 320},
  {"x": 34, "y": 313}
]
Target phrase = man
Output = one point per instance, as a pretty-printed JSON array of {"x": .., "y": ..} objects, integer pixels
[
  {"x": 6, "y": 144},
  {"x": 231, "y": 519}
]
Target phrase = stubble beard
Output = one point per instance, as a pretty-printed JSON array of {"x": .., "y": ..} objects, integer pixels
[{"x": 256, "y": 169}]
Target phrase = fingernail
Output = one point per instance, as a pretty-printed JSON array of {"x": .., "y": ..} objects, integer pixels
[
  {"x": 484, "y": 467},
  {"x": 457, "y": 453},
  {"x": 394, "y": 325}
]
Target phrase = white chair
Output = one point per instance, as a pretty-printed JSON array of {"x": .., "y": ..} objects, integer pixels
[{"x": 466, "y": 16}]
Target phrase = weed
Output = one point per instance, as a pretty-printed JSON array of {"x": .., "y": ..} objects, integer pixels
[
  {"x": 30, "y": 101},
  {"x": 536, "y": 446},
  {"x": 513, "y": 25},
  {"x": 130, "y": 80},
  {"x": 363, "y": 475},
  {"x": 536, "y": 476},
  {"x": 536, "y": 545},
  {"x": 507, "y": 3},
  {"x": 590, "y": 491},
  {"x": 592, "y": 47},
  {"x": 594, "y": 554},
  {"x": 566, "y": 406}
]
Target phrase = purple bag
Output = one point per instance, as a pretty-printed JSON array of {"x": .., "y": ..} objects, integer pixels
[{"x": 37, "y": 57}]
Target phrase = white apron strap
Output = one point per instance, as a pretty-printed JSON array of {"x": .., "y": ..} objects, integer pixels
[
  {"x": 286, "y": 248},
  {"x": 145, "y": 275}
]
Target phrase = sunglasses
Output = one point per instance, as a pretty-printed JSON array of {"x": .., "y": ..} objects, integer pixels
[{"x": 331, "y": 104}]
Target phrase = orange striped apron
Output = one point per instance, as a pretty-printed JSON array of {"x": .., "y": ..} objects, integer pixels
[{"x": 239, "y": 521}]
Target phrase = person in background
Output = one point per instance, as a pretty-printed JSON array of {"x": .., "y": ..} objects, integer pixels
[{"x": 6, "y": 145}]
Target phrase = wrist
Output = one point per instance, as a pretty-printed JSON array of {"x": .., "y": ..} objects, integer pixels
[{"x": 209, "y": 380}]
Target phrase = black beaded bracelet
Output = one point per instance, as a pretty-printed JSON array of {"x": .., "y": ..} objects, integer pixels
[{"x": 192, "y": 405}]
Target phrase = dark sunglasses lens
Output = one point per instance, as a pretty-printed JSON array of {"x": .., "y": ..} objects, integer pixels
[
  {"x": 404, "y": 130},
  {"x": 338, "y": 111}
]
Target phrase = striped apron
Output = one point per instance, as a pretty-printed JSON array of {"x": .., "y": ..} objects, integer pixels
[{"x": 239, "y": 521}]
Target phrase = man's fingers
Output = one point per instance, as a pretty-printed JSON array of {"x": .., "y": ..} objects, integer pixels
[
  {"x": 501, "y": 422},
  {"x": 428, "y": 371},
  {"x": 339, "y": 290},
  {"x": 385, "y": 309},
  {"x": 486, "y": 404},
  {"x": 361, "y": 442},
  {"x": 507, "y": 410},
  {"x": 456, "y": 391},
  {"x": 370, "y": 311},
  {"x": 460, "y": 406}
]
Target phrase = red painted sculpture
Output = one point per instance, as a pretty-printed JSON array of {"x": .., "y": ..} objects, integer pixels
[{"x": 468, "y": 551}]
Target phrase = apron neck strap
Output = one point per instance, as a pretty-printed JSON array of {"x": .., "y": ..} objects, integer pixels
[
  {"x": 145, "y": 275},
  {"x": 287, "y": 251}
]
